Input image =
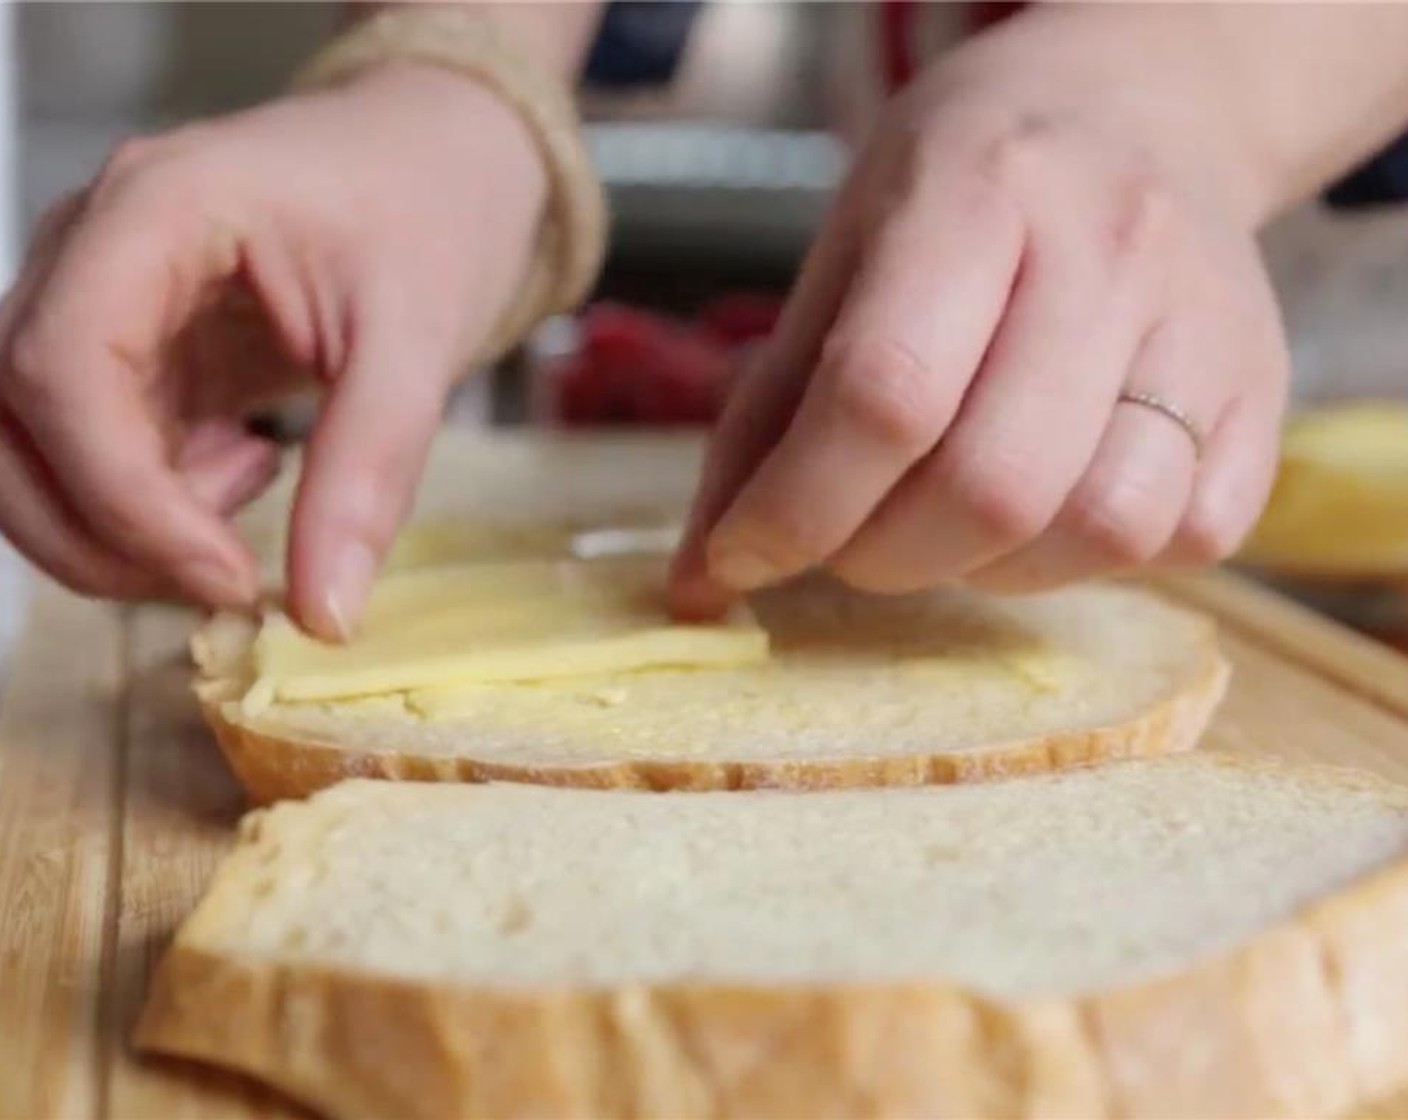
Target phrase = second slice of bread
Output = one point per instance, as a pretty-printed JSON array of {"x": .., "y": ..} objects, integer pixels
[{"x": 1183, "y": 937}]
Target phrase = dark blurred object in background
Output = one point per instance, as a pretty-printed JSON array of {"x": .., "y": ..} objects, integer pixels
[
  {"x": 639, "y": 43},
  {"x": 1383, "y": 181}
]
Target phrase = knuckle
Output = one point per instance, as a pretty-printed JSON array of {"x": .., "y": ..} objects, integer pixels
[
  {"x": 1142, "y": 220},
  {"x": 1013, "y": 157},
  {"x": 1119, "y": 521},
  {"x": 884, "y": 391},
  {"x": 790, "y": 535},
  {"x": 28, "y": 367},
  {"x": 1007, "y": 160},
  {"x": 127, "y": 158},
  {"x": 998, "y": 495},
  {"x": 165, "y": 170}
]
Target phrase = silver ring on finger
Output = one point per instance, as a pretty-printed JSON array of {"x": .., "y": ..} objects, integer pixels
[{"x": 1169, "y": 411}]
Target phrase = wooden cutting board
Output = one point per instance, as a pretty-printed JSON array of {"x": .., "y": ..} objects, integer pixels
[{"x": 115, "y": 806}]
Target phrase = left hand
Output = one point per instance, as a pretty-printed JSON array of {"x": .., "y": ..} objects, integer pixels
[
  {"x": 363, "y": 238},
  {"x": 1016, "y": 248}
]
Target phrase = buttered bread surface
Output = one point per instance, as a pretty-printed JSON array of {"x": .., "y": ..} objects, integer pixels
[{"x": 527, "y": 638}]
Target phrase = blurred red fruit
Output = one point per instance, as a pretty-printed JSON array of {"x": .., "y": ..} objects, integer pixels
[{"x": 635, "y": 367}]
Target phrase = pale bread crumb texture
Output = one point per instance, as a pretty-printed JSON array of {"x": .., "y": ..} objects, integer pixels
[
  {"x": 852, "y": 676},
  {"x": 863, "y": 690},
  {"x": 1048, "y": 887}
]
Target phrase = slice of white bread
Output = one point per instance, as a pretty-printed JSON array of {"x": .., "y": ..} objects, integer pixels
[
  {"x": 1188, "y": 936},
  {"x": 1116, "y": 672},
  {"x": 933, "y": 688}
]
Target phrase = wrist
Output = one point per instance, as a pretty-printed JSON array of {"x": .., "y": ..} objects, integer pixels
[
  {"x": 463, "y": 125},
  {"x": 474, "y": 46},
  {"x": 1264, "y": 105},
  {"x": 1133, "y": 79},
  {"x": 556, "y": 35}
]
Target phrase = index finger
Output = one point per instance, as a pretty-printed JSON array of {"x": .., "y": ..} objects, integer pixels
[
  {"x": 756, "y": 415},
  {"x": 76, "y": 378},
  {"x": 897, "y": 361}
]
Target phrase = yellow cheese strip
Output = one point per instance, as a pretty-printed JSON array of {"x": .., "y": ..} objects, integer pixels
[
  {"x": 690, "y": 647},
  {"x": 500, "y": 622},
  {"x": 1045, "y": 670},
  {"x": 1041, "y": 669}
]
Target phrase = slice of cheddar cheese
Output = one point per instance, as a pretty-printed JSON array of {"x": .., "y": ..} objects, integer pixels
[{"x": 428, "y": 632}]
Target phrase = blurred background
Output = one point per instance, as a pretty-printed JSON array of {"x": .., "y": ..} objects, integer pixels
[{"x": 720, "y": 130}]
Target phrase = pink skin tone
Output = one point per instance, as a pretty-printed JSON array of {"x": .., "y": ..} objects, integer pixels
[
  {"x": 1015, "y": 247},
  {"x": 325, "y": 237}
]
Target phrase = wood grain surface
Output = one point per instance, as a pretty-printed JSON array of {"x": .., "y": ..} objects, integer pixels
[
  {"x": 60, "y": 760},
  {"x": 115, "y": 806}
]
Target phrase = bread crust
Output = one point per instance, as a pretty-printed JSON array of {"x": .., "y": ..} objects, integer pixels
[
  {"x": 1306, "y": 1019},
  {"x": 274, "y": 767}
]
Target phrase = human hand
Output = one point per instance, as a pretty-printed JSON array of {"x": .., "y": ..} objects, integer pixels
[
  {"x": 1018, "y": 246},
  {"x": 365, "y": 239}
]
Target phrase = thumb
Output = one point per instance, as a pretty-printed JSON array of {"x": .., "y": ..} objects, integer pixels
[
  {"x": 361, "y": 469},
  {"x": 756, "y": 415}
]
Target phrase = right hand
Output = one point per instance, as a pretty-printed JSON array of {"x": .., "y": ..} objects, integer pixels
[
  {"x": 947, "y": 397},
  {"x": 366, "y": 239}
]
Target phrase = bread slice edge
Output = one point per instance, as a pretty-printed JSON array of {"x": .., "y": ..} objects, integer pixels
[
  {"x": 275, "y": 763},
  {"x": 1305, "y": 1018},
  {"x": 273, "y": 766}
]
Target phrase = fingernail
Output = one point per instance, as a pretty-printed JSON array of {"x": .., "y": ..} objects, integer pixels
[
  {"x": 354, "y": 568},
  {"x": 741, "y": 568},
  {"x": 697, "y": 598}
]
